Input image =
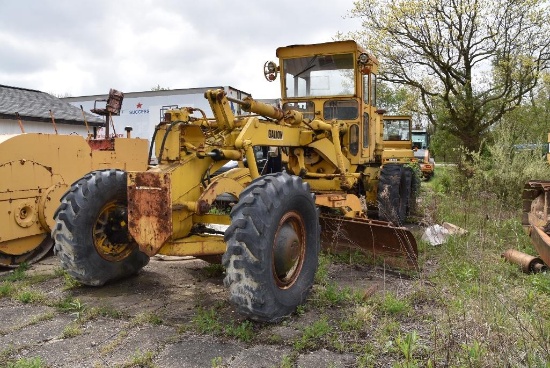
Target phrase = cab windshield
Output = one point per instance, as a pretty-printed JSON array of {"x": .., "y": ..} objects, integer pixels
[
  {"x": 327, "y": 75},
  {"x": 397, "y": 130}
]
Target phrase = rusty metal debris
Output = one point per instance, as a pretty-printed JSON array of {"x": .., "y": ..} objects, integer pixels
[{"x": 527, "y": 262}]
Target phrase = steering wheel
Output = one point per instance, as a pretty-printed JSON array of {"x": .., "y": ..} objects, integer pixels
[{"x": 270, "y": 71}]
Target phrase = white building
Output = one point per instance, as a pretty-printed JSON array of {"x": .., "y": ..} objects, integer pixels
[{"x": 142, "y": 110}]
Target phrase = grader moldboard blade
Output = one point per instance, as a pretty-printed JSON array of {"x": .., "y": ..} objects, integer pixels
[
  {"x": 396, "y": 246},
  {"x": 535, "y": 221}
]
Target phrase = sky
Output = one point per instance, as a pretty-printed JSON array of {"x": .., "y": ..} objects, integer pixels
[{"x": 84, "y": 47}]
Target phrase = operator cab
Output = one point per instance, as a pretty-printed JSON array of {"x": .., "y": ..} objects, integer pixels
[{"x": 332, "y": 81}]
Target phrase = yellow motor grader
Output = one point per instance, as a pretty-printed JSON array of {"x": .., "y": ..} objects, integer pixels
[
  {"x": 307, "y": 172},
  {"x": 37, "y": 169}
]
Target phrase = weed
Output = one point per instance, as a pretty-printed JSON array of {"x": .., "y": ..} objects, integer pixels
[
  {"x": 77, "y": 309},
  {"x": 29, "y": 296},
  {"x": 217, "y": 362},
  {"x": 287, "y": 361},
  {"x": 104, "y": 311},
  {"x": 357, "y": 319},
  {"x": 540, "y": 282},
  {"x": 41, "y": 318},
  {"x": 213, "y": 270},
  {"x": 71, "y": 305},
  {"x": 329, "y": 294},
  {"x": 144, "y": 359},
  {"x": 6, "y": 289},
  {"x": 475, "y": 351},
  {"x": 206, "y": 321},
  {"x": 243, "y": 331},
  {"x": 321, "y": 276},
  {"x": 301, "y": 310},
  {"x": 71, "y": 330},
  {"x": 143, "y": 318},
  {"x": 70, "y": 282},
  {"x": 407, "y": 345},
  {"x": 18, "y": 274},
  {"x": 313, "y": 335},
  {"x": 367, "y": 357},
  {"x": 394, "y": 306},
  {"x": 26, "y": 363}
]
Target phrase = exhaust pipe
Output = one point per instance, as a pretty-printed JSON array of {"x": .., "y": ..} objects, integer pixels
[{"x": 527, "y": 262}]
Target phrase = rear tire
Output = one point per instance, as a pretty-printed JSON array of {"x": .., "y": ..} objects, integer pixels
[
  {"x": 394, "y": 192},
  {"x": 91, "y": 234},
  {"x": 272, "y": 247}
]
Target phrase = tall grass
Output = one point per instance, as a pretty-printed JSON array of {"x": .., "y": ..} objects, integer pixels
[{"x": 489, "y": 313}]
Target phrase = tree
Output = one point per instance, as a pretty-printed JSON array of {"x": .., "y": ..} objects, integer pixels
[
  {"x": 471, "y": 61},
  {"x": 395, "y": 101},
  {"x": 159, "y": 88}
]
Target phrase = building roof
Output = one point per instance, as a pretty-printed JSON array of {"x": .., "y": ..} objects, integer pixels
[
  {"x": 35, "y": 105},
  {"x": 155, "y": 93}
]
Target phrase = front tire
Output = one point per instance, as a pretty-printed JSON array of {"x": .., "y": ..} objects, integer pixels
[
  {"x": 272, "y": 247},
  {"x": 91, "y": 234}
]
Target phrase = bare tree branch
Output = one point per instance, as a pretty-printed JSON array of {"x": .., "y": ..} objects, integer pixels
[{"x": 471, "y": 61}]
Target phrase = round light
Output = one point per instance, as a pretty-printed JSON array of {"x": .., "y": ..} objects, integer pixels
[
  {"x": 271, "y": 67},
  {"x": 363, "y": 58}
]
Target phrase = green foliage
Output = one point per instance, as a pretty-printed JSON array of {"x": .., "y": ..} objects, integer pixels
[
  {"x": 29, "y": 296},
  {"x": 214, "y": 270},
  {"x": 18, "y": 274},
  {"x": 392, "y": 305},
  {"x": 313, "y": 335},
  {"x": 407, "y": 345},
  {"x": 540, "y": 282},
  {"x": 143, "y": 318},
  {"x": 26, "y": 363},
  {"x": 474, "y": 352},
  {"x": 321, "y": 276},
  {"x": 396, "y": 100},
  {"x": 104, "y": 311},
  {"x": 217, "y": 362},
  {"x": 503, "y": 168},
  {"x": 243, "y": 331},
  {"x": 465, "y": 77},
  {"x": 287, "y": 361},
  {"x": 444, "y": 147},
  {"x": 140, "y": 359},
  {"x": 206, "y": 321},
  {"x": 68, "y": 304},
  {"x": 159, "y": 88},
  {"x": 71, "y": 330},
  {"x": 330, "y": 294},
  {"x": 70, "y": 282},
  {"x": 6, "y": 289}
]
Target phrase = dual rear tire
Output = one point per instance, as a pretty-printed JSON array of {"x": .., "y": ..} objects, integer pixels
[{"x": 397, "y": 189}]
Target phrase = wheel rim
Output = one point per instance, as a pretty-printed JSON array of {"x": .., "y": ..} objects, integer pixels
[
  {"x": 289, "y": 248},
  {"x": 110, "y": 233}
]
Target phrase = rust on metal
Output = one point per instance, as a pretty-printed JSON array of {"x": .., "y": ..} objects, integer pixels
[
  {"x": 149, "y": 210},
  {"x": 395, "y": 245},
  {"x": 102, "y": 144},
  {"x": 218, "y": 186},
  {"x": 527, "y": 262},
  {"x": 541, "y": 242},
  {"x": 535, "y": 220}
]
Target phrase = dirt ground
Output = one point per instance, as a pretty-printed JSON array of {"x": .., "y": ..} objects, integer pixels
[{"x": 150, "y": 320}]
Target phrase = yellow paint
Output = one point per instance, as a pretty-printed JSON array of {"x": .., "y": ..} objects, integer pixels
[{"x": 36, "y": 170}]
